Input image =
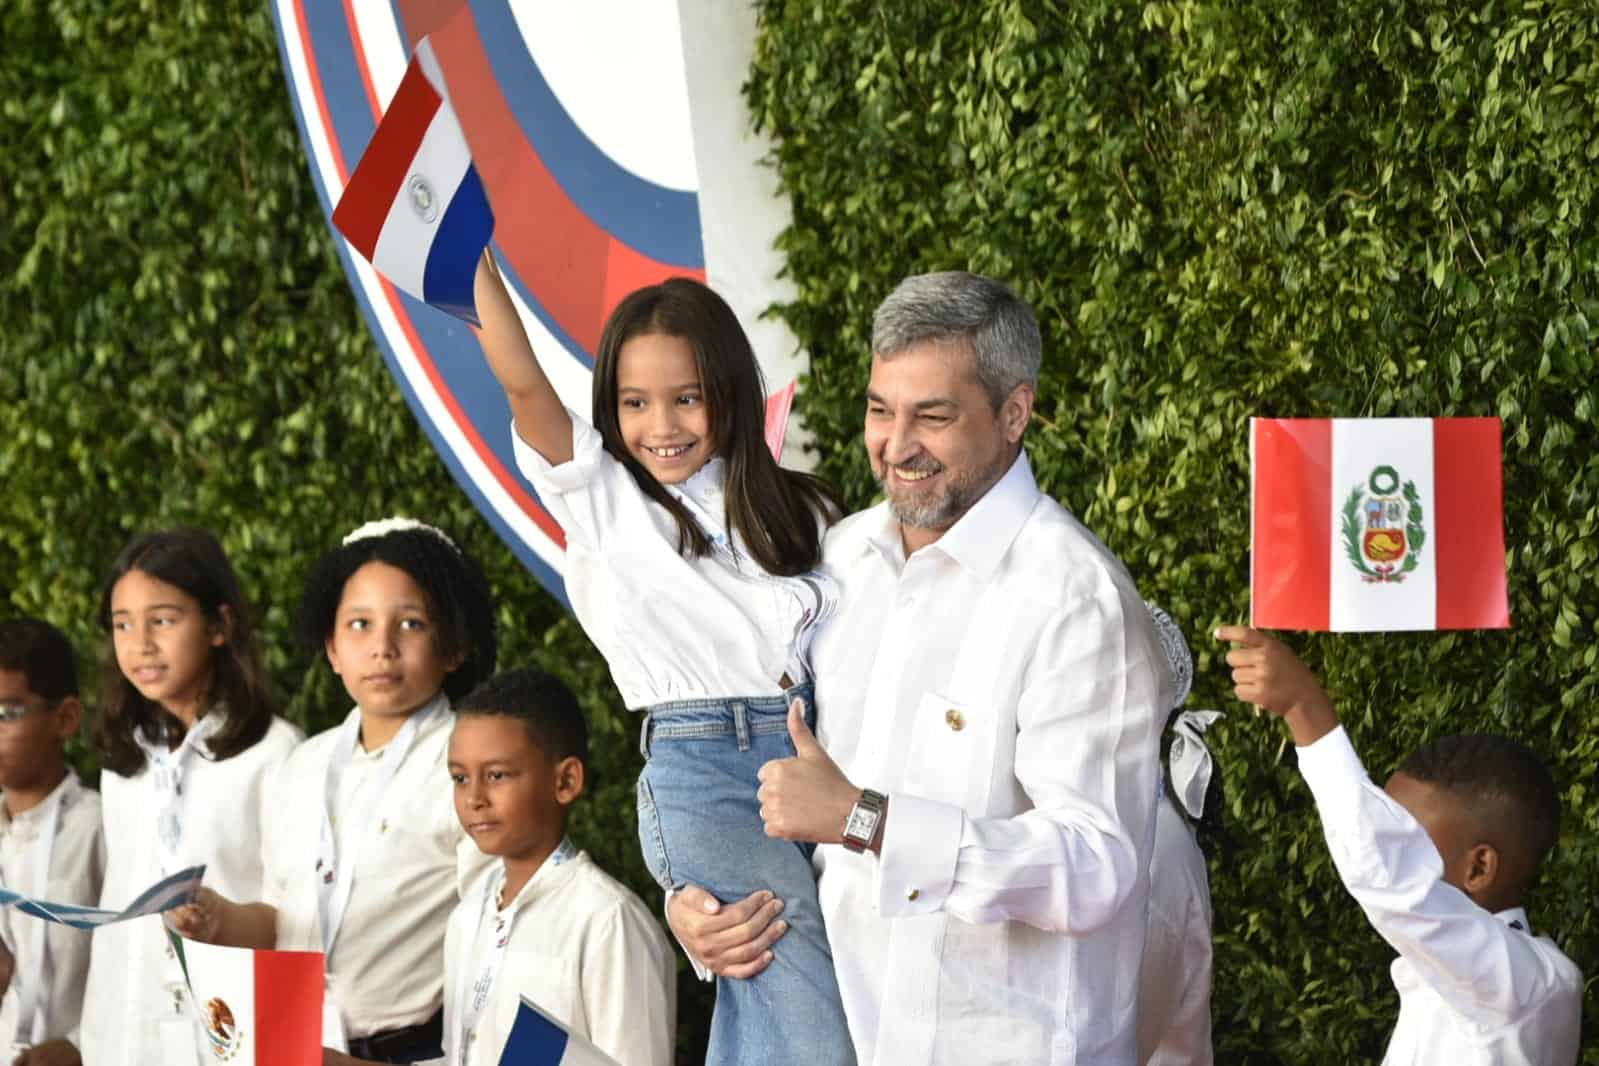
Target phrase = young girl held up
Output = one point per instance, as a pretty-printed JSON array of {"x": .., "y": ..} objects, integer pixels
[
  {"x": 364, "y": 855},
  {"x": 692, "y": 562},
  {"x": 185, "y": 737}
]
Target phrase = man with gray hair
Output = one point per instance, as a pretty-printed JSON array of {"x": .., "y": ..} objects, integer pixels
[{"x": 990, "y": 695}]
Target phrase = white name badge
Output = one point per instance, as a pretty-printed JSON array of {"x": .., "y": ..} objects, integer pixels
[{"x": 332, "y": 1021}]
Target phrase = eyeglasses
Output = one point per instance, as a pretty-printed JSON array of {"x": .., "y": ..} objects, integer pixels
[{"x": 16, "y": 710}]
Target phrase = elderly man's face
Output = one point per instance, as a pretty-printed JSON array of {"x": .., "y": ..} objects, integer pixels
[{"x": 935, "y": 442}]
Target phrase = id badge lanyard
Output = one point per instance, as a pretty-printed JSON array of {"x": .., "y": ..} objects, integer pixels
[{"x": 474, "y": 997}]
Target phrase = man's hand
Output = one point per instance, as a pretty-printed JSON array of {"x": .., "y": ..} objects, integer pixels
[
  {"x": 732, "y": 940},
  {"x": 8, "y": 966},
  {"x": 201, "y": 920},
  {"x": 806, "y": 797},
  {"x": 50, "y": 1053},
  {"x": 1268, "y": 675}
]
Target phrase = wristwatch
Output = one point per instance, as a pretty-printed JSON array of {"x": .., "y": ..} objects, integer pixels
[{"x": 860, "y": 828}]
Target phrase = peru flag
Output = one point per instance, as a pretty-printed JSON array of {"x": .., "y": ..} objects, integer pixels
[
  {"x": 1377, "y": 524},
  {"x": 257, "y": 1008},
  {"x": 415, "y": 207}
]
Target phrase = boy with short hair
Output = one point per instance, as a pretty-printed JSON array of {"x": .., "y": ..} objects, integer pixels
[
  {"x": 1439, "y": 859},
  {"x": 50, "y": 844},
  {"x": 544, "y": 922}
]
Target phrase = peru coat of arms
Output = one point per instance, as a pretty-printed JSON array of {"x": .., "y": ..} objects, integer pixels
[{"x": 1383, "y": 527}]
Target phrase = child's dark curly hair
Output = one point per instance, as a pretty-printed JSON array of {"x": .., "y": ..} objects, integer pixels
[{"x": 457, "y": 593}]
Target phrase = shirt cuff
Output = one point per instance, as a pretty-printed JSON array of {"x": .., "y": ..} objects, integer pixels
[
  {"x": 564, "y": 477},
  {"x": 1331, "y": 767},
  {"x": 700, "y": 969},
  {"x": 916, "y": 868}
]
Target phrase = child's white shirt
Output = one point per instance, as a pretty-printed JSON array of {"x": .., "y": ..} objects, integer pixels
[
  {"x": 1475, "y": 988},
  {"x": 134, "y": 1010},
  {"x": 1174, "y": 978},
  {"x": 671, "y": 627},
  {"x": 581, "y": 946},
  {"x": 410, "y": 858},
  {"x": 76, "y": 869}
]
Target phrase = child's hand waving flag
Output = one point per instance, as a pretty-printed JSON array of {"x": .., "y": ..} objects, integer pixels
[
  {"x": 538, "y": 1040},
  {"x": 415, "y": 207},
  {"x": 1377, "y": 524}
]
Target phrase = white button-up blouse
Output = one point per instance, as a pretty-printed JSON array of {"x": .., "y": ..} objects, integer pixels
[{"x": 671, "y": 627}]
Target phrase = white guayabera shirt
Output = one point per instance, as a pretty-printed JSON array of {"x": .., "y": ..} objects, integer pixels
[
  {"x": 1005, "y": 687},
  {"x": 1475, "y": 988}
]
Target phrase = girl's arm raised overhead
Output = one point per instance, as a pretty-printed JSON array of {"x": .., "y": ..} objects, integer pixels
[{"x": 541, "y": 418}]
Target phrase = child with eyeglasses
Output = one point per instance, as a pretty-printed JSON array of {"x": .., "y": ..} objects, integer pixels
[{"x": 50, "y": 845}]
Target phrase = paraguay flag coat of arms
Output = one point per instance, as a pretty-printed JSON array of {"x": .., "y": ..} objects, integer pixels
[{"x": 1377, "y": 524}]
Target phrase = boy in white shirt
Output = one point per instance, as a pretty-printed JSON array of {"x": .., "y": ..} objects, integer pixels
[
  {"x": 544, "y": 922},
  {"x": 1439, "y": 859},
  {"x": 50, "y": 845}
]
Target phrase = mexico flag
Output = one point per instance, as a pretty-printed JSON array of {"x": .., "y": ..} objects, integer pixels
[
  {"x": 257, "y": 1008},
  {"x": 1377, "y": 524}
]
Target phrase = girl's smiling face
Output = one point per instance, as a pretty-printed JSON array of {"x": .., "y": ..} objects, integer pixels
[
  {"x": 383, "y": 646},
  {"x": 163, "y": 642},
  {"x": 660, "y": 407}
]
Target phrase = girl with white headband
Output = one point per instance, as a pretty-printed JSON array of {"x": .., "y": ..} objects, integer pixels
[{"x": 364, "y": 855}]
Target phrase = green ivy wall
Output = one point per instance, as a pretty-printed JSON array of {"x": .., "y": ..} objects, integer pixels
[{"x": 1219, "y": 209}]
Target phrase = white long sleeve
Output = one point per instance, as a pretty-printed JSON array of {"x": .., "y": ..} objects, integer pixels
[{"x": 1475, "y": 987}]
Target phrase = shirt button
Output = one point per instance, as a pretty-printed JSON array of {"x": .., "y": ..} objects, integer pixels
[
  {"x": 914, "y": 894},
  {"x": 954, "y": 719}
]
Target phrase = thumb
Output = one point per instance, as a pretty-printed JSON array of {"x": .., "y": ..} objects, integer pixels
[
  {"x": 804, "y": 740},
  {"x": 1250, "y": 638}
]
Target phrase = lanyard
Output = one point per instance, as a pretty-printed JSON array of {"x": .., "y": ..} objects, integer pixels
[
  {"x": 33, "y": 997},
  {"x": 167, "y": 769},
  {"x": 335, "y": 877},
  {"x": 475, "y": 998}
]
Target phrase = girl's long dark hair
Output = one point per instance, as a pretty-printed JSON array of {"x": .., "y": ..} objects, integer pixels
[
  {"x": 191, "y": 560},
  {"x": 773, "y": 510}
]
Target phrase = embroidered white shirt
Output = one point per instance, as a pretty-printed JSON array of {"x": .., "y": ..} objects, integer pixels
[
  {"x": 1002, "y": 686},
  {"x": 1475, "y": 988},
  {"x": 585, "y": 949},
  {"x": 77, "y": 868},
  {"x": 409, "y": 863},
  {"x": 130, "y": 969},
  {"x": 1174, "y": 978},
  {"x": 671, "y": 627}
]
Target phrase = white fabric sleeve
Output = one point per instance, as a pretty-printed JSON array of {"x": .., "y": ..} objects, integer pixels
[
  {"x": 1479, "y": 965},
  {"x": 1086, "y": 757},
  {"x": 587, "y": 494},
  {"x": 629, "y": 988},
  {"x": 701, "y": 971}
]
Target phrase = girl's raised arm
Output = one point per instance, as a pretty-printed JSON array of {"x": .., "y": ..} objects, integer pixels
[{"x": 541, "y": 418}]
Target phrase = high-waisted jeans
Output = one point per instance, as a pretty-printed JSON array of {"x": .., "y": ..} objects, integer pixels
[{"x": 700, "y": 824}]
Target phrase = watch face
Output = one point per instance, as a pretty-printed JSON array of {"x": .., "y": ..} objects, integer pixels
[{"x": 862, "y": 824}]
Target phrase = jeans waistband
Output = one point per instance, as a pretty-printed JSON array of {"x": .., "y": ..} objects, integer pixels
[{"x": 742, "y": 717}]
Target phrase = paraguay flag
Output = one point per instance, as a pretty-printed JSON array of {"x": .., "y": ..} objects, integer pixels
[
  {"x": 415, "y": 207},
  {"x": 1377, "y": 524},
  {"x": 257, "y": 1008},
  {"x": 538, "y": 1040}
]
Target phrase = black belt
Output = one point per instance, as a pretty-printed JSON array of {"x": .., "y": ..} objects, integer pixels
[{"x": 376, "y": 1045}]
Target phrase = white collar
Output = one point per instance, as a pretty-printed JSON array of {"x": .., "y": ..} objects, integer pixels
[
  {"x": 66, "y": 786},
  {"x": 979, "y": 538}
]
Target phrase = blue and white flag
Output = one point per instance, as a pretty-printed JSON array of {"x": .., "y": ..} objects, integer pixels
[
  {"x": 164, "y": 895},
  {"x": 538, "y": 1040}
]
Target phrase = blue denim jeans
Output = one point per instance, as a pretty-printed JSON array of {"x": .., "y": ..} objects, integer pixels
[{"x": 700, "y": 824}]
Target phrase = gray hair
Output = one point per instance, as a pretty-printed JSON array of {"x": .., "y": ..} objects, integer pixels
[{"x": 955, "y": 305}]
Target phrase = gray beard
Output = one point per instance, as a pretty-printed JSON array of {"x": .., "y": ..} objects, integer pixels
[{"x": 943, "y": 510}]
